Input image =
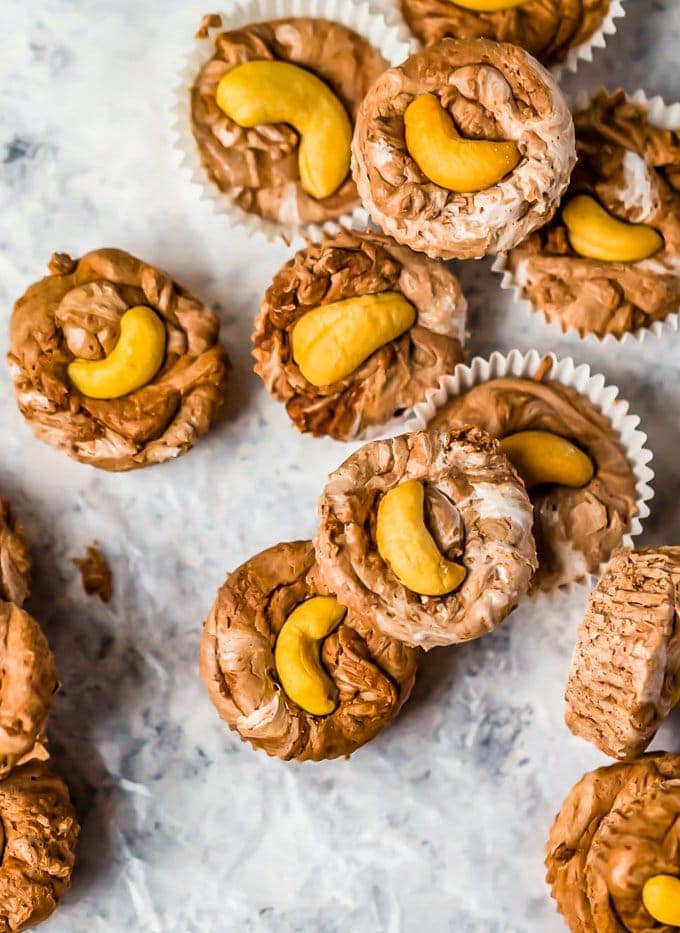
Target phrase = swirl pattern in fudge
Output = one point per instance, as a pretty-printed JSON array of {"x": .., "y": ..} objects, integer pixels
[
  {"x": 15, "y": 559},
  {"x": 39, "y": 831},
  {"x": 631, "y": 168},
  {"x": 396, "y": 375},
  {"x": 576, "y": 529},
  {"x": 476, "y": 510},
  {"x": 75, "y": 313},
  {"x": 258, "y": 166},
  {"x": 625, "y": 674}
]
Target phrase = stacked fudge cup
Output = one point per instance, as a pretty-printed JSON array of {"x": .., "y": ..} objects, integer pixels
[
  {"x": 517, "y": 476},
  {"x": 38, "y": 825}
]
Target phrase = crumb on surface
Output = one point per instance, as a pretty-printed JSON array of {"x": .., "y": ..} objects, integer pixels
[{"x": 95, "y": 573}]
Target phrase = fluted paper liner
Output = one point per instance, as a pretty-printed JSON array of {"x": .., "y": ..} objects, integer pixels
[
  {"x": 584, "y": 51},
  {"x": 604, "y": 397},
  {"x": 386, "y": 32},
  {"x": 659, "y": 113}
]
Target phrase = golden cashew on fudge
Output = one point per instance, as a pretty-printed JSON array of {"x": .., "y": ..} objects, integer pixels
[
  {"x": 311, "y": 330},
  {"x": 298, "y": 654},
  {"x": 596, "y": 234},
  {"x": 474, "y": 507},
  {"x": 488, "y": 6},
  {"x": 132, "y": 363},
  {"x": 625, "y": 673},
  {"x": 260, "y": 168},
  {"x": 613, "y": 852},
  {"x": 331, "y": 341},
  {"x": 542, "y": 457},
  {"x": 661, "y": 899},
  {"x": 547, "y": 29},
  {"x": 448, "y": 159},
  {"x": 597, "y": 280},
  {"x": 81, "y": 379},
  {"x": 279, "y": 681},
  {"x": 38, "y": 851},
  {"x": 405, "y": 544},
  {"x": 576, "y": 526},
  {"x": 260, "y": 92},
  {"x": 27, "y": 687}
]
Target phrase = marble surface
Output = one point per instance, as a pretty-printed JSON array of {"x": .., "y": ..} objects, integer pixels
[{"x": 440, "y": 823}]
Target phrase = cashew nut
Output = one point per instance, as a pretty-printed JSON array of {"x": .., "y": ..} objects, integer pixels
[
  {"x": 331, "y": 341},
  {"x": 298, "y": 654},
  {"x": 597, "y": 234},
  {"x": 541, "y": 457},
  {"x": 488, "y": 6},
  {"x": 405, "y": 544},
  {"x": 260, "y": 92},
  {"x": 448, "y": 159},
  {"x": 132, "y": 363},
  {"x": 661, "y": 897}
]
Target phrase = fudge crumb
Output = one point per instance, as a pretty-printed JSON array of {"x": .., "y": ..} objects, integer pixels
[
  {"x": 95, "y": 573},
  {"x": 209, "y": 21}
]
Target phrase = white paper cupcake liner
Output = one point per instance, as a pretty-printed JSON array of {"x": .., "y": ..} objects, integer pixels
[
  {"x": 598, "y": 40},
  {"x": 666, "y": 116},
  {"x": 579, "y": 377},
  {"x": 386, "y": 32}
]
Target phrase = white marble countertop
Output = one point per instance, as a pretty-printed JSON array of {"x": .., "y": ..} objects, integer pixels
[{"x": 439, "y": 824}]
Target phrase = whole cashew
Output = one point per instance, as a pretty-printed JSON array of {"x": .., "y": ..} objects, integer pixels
[
  {"x": 541, "y": 457},
  {"x": 259, "y": 92},
  {"x": 597, "y": 234},
  {"x": 297, "y": 654},
  {"x": 331, "y": 341},
  {"x": 405, "y": 544},
  {"x": 448, "y": 159},
  {"x": 132, "y": 363},
  {"x": 661, "y": 897}
]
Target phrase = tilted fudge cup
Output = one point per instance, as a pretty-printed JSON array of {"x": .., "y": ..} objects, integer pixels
[
  {"x": 552, "y": 30},
  {"x": 353, "y": 332},
  {"x": 15, "y": 559},
  {"x": 464, "y": 149},
  {"x": 428, "y": 534},
  {"x": 609, "y": 263},
  {"x": 290, "y": 669},
  {"x": 272, "y": 106},
  {"x": 582, "y": 486},
  {"x": 39, "y": 831},
  {"x": 625, "y": 674},
  {"x": 114, "y": 362},
  {"x": 613, "y": 855},
  {"x": 27, "y": 687}
]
